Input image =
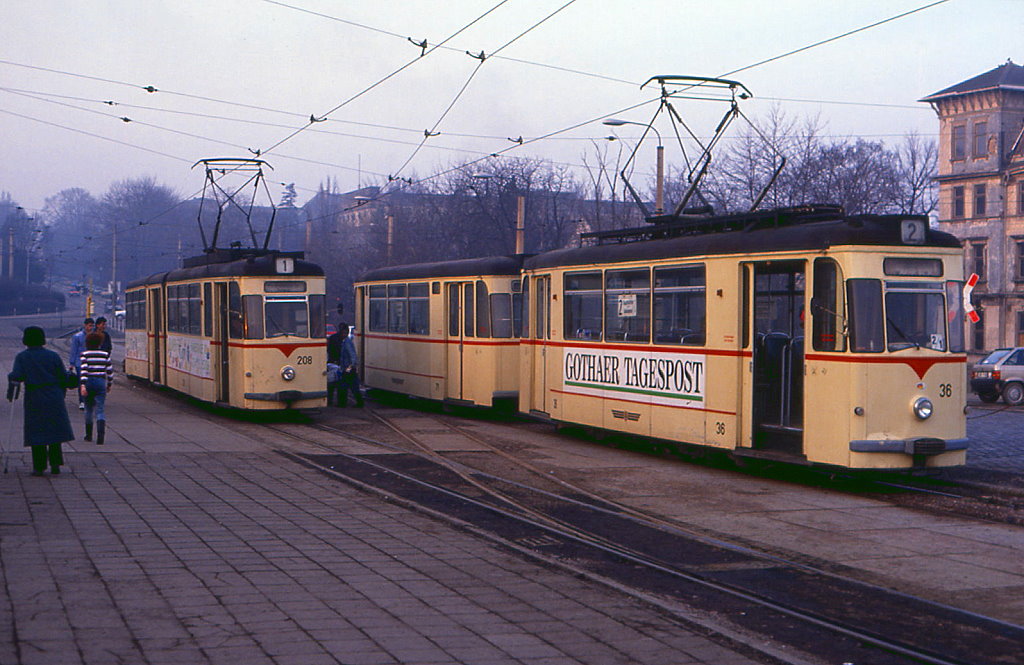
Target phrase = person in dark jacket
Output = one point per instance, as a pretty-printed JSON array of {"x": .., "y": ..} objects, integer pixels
[
  {"x": 47, "y": 425},
  {"x": 349, "y": 375},
  {"x": 334, "y": 366},
  {"x": 101, "y": 328}
]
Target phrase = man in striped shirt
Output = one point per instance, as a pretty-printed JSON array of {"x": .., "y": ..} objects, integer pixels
[{"x": 95, "y": 378}]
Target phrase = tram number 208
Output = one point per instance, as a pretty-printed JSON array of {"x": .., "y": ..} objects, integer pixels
[{"x": 304, "y": 360}]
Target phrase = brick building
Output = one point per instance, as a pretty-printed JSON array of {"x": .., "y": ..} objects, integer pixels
[{"x": 981, "y": 195}]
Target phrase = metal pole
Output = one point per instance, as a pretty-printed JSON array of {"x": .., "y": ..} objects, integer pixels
[
  {"x": 659, "y": 201},
  {"x": 391, "y": 236},
  {"x": 520, "y": 224}
]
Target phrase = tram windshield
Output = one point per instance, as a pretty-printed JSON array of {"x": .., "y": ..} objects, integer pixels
[
  {"x": 287, "y": 317},
  {"x": 915, "y": 316}
]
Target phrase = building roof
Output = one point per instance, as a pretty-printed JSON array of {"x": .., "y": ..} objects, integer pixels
[{"x": 1007, "y": 76}]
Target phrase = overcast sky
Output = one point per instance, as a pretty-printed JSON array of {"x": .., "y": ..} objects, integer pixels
[{"x": 233, "y": 75}]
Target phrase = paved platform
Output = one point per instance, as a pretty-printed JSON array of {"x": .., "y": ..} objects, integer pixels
[{"x": 185, "y": 541}]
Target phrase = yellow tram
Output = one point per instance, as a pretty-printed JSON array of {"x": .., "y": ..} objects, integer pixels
[
  {"x": 242, "y": 328},
  {"x": 443, "y": 331},
  {"x": 803, "y": 335}
]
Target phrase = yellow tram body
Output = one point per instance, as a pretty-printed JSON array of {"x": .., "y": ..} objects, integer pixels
[
  {"x": 693, "y": 331},
  {"x": 700, "y": 340},
  {"x": 446, "y": 331},
  {"x": 240, "y": 328}
]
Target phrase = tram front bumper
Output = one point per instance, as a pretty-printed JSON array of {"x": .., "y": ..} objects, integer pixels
[
  {"x": 287, "y": 395},
  {"x": 919, "y": 446}
]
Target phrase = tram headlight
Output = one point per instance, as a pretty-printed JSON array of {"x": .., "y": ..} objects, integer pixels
[
  {"x": 287, "y": 372},
  {"x": 923, "y": 408}
]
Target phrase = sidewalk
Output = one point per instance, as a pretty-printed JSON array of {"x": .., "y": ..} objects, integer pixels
[{"x": 184, "y": 541}]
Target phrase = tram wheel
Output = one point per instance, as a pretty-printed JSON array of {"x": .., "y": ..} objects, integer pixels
[
  {"x": 1013, "y": 394},
  {"x": 988, "y": 398}
]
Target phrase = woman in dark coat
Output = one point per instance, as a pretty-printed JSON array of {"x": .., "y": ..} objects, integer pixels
[{"x": 46, "y": 417}]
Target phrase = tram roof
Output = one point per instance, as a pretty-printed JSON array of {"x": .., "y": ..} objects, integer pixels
[
  {"x": 488, "y": 265},
  {"x": 739, "y": 234},
  {"x": 239, "y": 264}
]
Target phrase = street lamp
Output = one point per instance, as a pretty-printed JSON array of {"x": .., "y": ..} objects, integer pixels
[{"x": 659, "y": 197}]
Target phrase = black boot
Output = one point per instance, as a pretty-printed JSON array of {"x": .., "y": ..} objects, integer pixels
[
  {"x": 88, "y": 431},
  {"x": 101, "y": 430}
]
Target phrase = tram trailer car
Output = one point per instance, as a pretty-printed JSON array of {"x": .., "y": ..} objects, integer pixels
[
  {"x": 699, "y": 337},
  {"x": 241, "y": 328},
  {"x": 442, "y": 331}
]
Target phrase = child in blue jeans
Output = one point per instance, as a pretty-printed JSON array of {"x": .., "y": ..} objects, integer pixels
[{"x": 95, "y": 377}]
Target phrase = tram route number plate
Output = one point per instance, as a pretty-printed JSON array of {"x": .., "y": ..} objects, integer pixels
[{"x": 912, "y": 231}]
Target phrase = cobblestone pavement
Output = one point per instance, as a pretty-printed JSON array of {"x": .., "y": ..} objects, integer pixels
[{"x": 996, "y": 434}]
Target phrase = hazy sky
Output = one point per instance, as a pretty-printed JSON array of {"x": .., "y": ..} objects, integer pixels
[{"x": 233, "y": 75}]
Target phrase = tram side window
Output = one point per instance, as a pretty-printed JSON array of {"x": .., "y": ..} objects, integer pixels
[
  {"x": 419, "y": 309},
  {"x": 483, "y": 311},
  {"x": 398, "y": 320},
  {"x": 208, "y": 309},
  {"x": 236, "y": 321},
  {"x": 453, "y": 310},
  {"x": 827, "y": 307},
  {"x": 501, "y": 315},
  {"x": 955, "y": 315},
  {"x": 195, "y": 305},
  {"x": 522, "y": 311},
  {"x": 583, "y": 305},
  {"x": 627, "y": 303},
  {"x": 172, "y": 308},
  {"x": 317, "y": 316},
  {"x": 680, "y": 304},
  {"x": 253, "y": 307},
  {"x": 468, "y": 319},
  {"x": 378, "y": 308},
  {"x": 865, "y": 306}
]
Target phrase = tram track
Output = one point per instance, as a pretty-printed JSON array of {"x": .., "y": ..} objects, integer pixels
[{"x": 799, "y": 607}]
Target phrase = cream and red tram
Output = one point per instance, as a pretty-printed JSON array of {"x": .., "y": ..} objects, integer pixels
[
  {"x": 804, "y": 335},
  {"x": 443, "y": 331},
  {"x": 243, "y": 328}
]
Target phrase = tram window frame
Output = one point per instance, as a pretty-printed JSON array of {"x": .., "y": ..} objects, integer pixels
[
  {"x": 284, "y": 286},
  {"x": 398, "y": 308},
  {"x": 581, "y": 304},
  {"x": 453, "y": 309},
  {"x": 619, "y": 285},
  {"x": 236, "y": 316},
  {"x": 252, "y": 306},
  {"x": 378, "y": 308},
  {"x": 208, "y": 309},
  {"x": 864, "y": 304},
  {"x": 289, "y": 315},
  {"x": 502, "y": 315},
  {"x": 484, "y": 326},
  {"x": 195, "y": 309},
  {"x": 171, "y": 302},
  {"x": 317, "y": 315},
  {"x": 524, "y": 310},
  {"x": 687, "y": 297},
  {"x": 419, "y": 308},
  {"x": 955, "y": 320},
  {"x": 827, "y": 319},
  {"x": 468, "y": 316}
]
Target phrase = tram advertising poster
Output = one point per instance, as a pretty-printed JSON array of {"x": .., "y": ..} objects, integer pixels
[
  {"x": 670, "y": 379},
  {"x": 191, "y": 356}
]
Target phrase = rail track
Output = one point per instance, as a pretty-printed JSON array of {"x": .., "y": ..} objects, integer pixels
[{"x": 744, "y": 594}]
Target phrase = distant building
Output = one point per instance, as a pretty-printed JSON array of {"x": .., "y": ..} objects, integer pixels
[{"x": 981, "y": 195}]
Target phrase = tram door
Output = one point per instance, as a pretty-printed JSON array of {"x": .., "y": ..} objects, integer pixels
[
  {"x": 220, "y": 364},
  {"x": 460, "y": 310},
  {"x": 156, "y": 328},
  {"x": 541, "y": 330},
  {"x": 778, "y": 356}
]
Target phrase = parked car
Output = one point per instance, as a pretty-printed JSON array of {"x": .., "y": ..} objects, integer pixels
[{"x": 1001, "y": 373}]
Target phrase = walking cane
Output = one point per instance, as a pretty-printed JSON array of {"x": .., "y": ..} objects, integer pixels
[{"x": 10, "y": 429}]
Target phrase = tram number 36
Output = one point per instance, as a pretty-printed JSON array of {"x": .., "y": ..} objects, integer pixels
[
  {"x": 720, "y": 428},
  {"x": 304, "y": 360},
  {"x": 945, "y": 390}
]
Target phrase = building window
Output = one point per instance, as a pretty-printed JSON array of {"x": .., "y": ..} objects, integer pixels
[
  {"x": 979, "y": 200},
  {"x": 978, "y": 332},
  {"x": 1020, "y": 329},
  {"x": 959, "y": 142},
  {"x": 1020, "y": 260},
  {"x": 958, "y": 202},
  {"x": 1020, "y": 197},
  {"x": 981, "y": 139},
  {"x": 977, "y": 260}
]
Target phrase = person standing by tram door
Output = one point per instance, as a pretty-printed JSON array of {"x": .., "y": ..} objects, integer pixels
[
  {"x": 47, "y": 425},
  {"x": 349, "y": 374},
  {"x": 77, "y": 346},
  {"x": 95, "y": 380},
  {"x": 334, "y": 368}
]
